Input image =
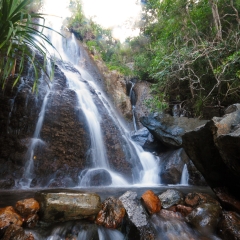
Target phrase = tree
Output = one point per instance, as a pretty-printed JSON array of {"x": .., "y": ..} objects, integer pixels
[{"x": 19, "y": 37}]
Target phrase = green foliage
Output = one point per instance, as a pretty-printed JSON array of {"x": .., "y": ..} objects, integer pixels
[
  {"x": 188, "y": 54},
  {"x": 18, "y": 34}
]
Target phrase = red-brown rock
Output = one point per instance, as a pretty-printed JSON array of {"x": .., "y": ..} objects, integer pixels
[
  {"x": 27, "y": 207},
  {"x": 29, "y": 237},
  {"x": 151, "y": 202},
  {"x": 229, "y": 226},
  {"x": 7, "y": 217},
  {"x": 184, "y": 210},
  {"x": 227, "y": 200},
  {"x": 169, "y": 214},
  {"x": 31, "y": 221},
  {"x": 194, "y": 199},
  {"x": 112, "y": 213},
  {"x": 14, "y": 232}
]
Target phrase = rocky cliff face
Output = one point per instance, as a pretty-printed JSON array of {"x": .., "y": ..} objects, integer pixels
[{"x": 63, "y": 151}]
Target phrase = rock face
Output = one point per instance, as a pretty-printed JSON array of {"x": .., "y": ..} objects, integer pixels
[
  {"x": 169, "y": 130},
  {"x": 62, "y": 150},
  {"x": 215, "y": 150},
  {"x": 142, "y": 92},
  {"x": 64, "y": 206},
  {"x": 112, "y": 213}
]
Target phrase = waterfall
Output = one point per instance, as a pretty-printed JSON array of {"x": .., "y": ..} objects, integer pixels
[
  {"x": 133, "y": 102},
  {"x": 185, "y": 176},
  {"x": 145, "y": 166}
]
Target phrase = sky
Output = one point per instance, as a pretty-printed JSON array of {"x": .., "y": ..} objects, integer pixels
[{"x": 119, "y": 15}]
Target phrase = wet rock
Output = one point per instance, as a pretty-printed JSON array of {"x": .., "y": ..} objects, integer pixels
[
  {"x": 96, "y": 177},
  {"x": 64, "y": 206},
  {"x": 137, "y": 215},
  {"x": 143, "y": 93},
  {"x": 27, "y": 207},
  {"x": 229, "y": 226},
  {"x": 194, "y": 199},
  {"x": 195, "y": 177},
  {"x": 170, "y": 198},
  {"x": 14, "y": 232},
  {"x": 232, "y": 108},
  {"x": 166, "y": 214},
  {"x": 227, "y": 200},
  {"x": 169, "y": 130},
  {"x": 145, "y": 139},
  {"x": 8, "y": 216},
  {"x": 205, "y": 217},
  {"x": 172, "y": 163},
  {"x": 214, "y": 150},
  {"x": 7, "y": 183},
  {"x": 31, "y": 220},
  {"x": 112, "y": 213},
  {"x": 184, "y": 210},
  {"x": 151, "y": 202}
]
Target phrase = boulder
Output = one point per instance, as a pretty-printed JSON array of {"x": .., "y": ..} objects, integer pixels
[
  {"x": 194, "y": 199},
  {"x": 169, "y": 130},
  {"x": 215, "y": 150},
  {"x": 145, "y": 139},
  {"x": 95, "y": 177},
  {"x": 151, "y": 202},
  {"x": 205, "y": 217},
  {"x": 229, "y": 202},
  {"x": 112, "y": 213},
  {"x": 14, "y": 232},
  {"x": 229, "y": 226},
  {"x": 27, "y": 207},
  {"x": 64, "y": 206},
  {"x": 8, "y": 216},
  {"x": 172, "y": 163},
  {"x": 171, "y": 197},
  {"x": 137, "y": 215}
]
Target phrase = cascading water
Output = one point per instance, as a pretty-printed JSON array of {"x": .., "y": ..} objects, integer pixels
[
  {"x": 133, "y": 102},
  {"x": 185, "y": 176}
]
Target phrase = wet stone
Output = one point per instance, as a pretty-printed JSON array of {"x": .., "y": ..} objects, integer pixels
[
  {"x": 64, "y": 206},
  {"x": 205, "y": 217},
  {"x": 14, "y": 232},
  {"x": 112, "y": 213},
  {"x": 170, "y": 198},
  {"x": 27, "y": 207},
  {"x": 151, "y": 202},
  {"x": 229, "y": 226},
  {"x": 194, "y": 199}
]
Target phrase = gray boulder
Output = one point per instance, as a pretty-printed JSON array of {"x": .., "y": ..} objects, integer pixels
[
  {"x": 171, "y": 197},
  {"x": 137, "y": 215},
  {"x": 215, "y": 150},
  {"x": 65, "y": 206},
  {"x": 169, "y": 130}
]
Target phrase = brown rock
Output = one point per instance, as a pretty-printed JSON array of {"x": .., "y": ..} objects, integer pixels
[
  {"x": 227, "y": 200},
  {"x": 172, "y": 208},
  {"x": 184, "y": 210},
  {"x": 151, "y": 202},
  {"x": 14, "y": 232},
  {"x": 169, "y": 214},
  {"x": 112, "y": 213},
  {"x": 7, "y": 217},
  {"x": 31, "y": 220},
  {"x": 29, "y": 237},
  {"x": 194, "y": 199},
  {"x": 27, "y": 207},
  {"x": 229, "y": 226}
]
